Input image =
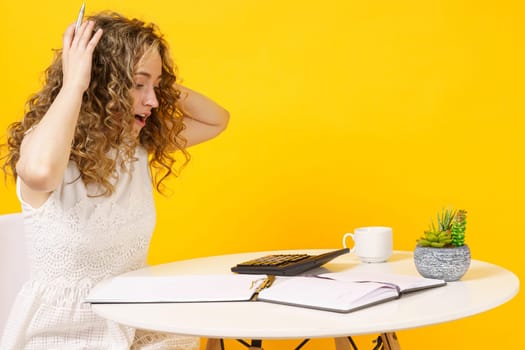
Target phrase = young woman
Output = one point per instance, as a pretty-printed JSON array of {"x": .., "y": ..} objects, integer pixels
[{"x": 103, "y": 129}]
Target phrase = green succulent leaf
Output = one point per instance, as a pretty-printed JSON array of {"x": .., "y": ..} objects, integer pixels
[
  {"x": 423, "y": 243},
  {"x": 432, "y": 237},
  {"x": 448, "y": 230}
]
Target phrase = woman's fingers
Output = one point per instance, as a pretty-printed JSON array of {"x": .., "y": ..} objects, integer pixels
[
  {"x": 77, "y": 54},
  {"x": 83, "y": 34},
  {"x": 68, "y": 37},
  {"x": 94, "y": 40}
]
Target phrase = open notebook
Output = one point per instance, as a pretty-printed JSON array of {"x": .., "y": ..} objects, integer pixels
[{"x": 339, "y": 292}]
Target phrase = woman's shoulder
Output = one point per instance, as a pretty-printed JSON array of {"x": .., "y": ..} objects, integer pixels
[{"x": 141, "y": 152}]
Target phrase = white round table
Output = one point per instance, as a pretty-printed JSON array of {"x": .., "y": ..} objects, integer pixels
[{"x": 485, "y": 286}]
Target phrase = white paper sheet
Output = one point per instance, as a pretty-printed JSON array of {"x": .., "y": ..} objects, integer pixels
[{"x": 180, "y": 288}]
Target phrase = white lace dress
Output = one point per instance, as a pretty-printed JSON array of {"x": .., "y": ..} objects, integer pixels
[{"x": 75, "y": 241}]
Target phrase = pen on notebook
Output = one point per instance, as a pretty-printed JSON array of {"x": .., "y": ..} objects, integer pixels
[{"x": 80, "y": 16}]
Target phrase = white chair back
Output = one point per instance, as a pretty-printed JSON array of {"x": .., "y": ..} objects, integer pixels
[{"x": 14, "y": 264}]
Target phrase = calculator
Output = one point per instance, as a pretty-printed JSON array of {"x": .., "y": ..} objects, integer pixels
[{"x": 286, "y": 264}]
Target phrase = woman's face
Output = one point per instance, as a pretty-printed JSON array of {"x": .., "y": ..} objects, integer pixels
[{"x": 146, "y": 82}]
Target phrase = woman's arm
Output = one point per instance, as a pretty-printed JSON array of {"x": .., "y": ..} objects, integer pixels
[
  {"x": 204, "y": 118},
  {"x": 45, "y": 150}
]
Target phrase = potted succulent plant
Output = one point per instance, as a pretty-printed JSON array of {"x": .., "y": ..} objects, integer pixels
[{"x": 441, "y": 252}]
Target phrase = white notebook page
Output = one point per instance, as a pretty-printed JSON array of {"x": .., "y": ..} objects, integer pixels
[{"x": 181, "y": 288}]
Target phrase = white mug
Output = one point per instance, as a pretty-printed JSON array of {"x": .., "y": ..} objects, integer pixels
[{"x": 372, "y": 244}]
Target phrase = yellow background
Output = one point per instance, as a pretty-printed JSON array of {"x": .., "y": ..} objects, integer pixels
[{"x": 344, "y": 114}]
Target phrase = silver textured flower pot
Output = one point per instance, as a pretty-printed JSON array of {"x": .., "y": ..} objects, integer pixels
[{"x": 449, "y": 264}]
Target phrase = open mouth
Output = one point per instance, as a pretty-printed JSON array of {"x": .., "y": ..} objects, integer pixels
[{"x": 140, "y": 118}]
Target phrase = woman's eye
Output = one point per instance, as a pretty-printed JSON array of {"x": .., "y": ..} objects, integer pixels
[{"x": 138, "y": 86}]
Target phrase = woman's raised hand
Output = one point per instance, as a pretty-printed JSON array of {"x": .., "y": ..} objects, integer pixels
[{"x": 77, "y": 54}]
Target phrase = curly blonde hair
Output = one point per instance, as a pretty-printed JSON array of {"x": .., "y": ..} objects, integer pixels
[{"x": 106, "y": 117}]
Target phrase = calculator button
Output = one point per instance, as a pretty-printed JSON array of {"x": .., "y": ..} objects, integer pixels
[{"x": 286, "y": 264}]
